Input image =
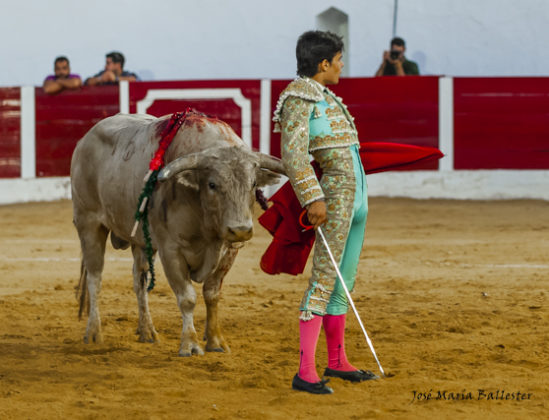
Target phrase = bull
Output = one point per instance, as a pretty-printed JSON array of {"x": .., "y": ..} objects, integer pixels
[{"x": 199, "y": 213}]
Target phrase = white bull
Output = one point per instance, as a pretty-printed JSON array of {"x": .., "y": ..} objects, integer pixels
[{"x": 199, "y": 211}]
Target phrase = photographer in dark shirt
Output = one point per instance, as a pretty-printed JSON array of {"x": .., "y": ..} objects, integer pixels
[{"x": 395, "y": 63}]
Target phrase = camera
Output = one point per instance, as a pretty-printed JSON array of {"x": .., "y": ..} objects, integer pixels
[{"x": 395, "y": 54}]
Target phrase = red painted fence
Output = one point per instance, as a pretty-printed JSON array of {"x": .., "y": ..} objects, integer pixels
[
  {"x": 498, "y": 122},
  {"x": 61, "y": 120},
  {"x": 224, "y": 109},
  {"x": 501, "y": 123},
  {"x": 386, "y": 109},
  {"x": 10, "y": 133}
]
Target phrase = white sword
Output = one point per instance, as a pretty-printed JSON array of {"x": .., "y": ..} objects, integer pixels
[{"x": 340, "y": 277}]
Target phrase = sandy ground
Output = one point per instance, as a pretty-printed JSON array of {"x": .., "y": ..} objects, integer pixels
[{"x": 453, "y": 294}]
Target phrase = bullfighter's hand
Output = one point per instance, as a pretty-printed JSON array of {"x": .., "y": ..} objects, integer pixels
[{"x": 316, "y": 213}]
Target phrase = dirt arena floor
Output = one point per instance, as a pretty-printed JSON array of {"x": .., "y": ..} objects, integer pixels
[{"x": 454, "y": 295}]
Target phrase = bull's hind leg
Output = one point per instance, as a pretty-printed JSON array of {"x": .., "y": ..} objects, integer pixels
[
  {"x": 92, "y": 240},
  {"x": 180, "y": 282},
  {"x": 211, "y": 290},
  {"x": 145, "y": 328}
]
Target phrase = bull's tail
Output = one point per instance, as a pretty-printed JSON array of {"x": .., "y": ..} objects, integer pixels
[{"x": 82, "y": 292}]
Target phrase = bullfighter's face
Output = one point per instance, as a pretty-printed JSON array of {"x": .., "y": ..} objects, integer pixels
[{"x": 333, "y": 70}]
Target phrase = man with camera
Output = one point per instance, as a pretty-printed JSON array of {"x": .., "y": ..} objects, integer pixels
[{"x": 395, "y": 63}]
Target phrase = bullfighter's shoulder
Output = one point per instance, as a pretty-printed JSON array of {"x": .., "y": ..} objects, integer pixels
[{"x": 300, "y": 89}]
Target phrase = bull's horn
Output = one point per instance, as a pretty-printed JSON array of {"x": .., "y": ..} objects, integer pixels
[
  {"x": 271, "y": 163},
  {"x": 180, "y": 164}
]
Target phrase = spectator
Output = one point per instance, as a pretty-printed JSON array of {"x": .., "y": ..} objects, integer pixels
[
  {"x": 113, "y": 73},
  {"x": 62, "y": 78},
  {"x": 395, "y": 63}
]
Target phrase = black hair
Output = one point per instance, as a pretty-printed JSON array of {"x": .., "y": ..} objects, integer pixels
[
  {"x": 116, "y": 57},
  {"x": 399, "y": 42},
  {"x": 313, "y": 47},
  {"x": 61, "y": 58}
]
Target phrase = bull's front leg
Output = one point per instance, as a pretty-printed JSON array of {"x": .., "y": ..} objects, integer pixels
[
  {"x": 211, "y": 290},
  {"x": 177, "y": 272}
]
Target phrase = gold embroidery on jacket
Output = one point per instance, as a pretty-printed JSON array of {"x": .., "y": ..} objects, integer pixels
[
  {"x": 331, "y": 141},
  {"x": 339, "y": 125},
  {"x": 295, "y": 150},
  {"x": 334, "y": 112}
]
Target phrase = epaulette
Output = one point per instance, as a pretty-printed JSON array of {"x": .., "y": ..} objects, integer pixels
[{"x": 303, "y": 88}]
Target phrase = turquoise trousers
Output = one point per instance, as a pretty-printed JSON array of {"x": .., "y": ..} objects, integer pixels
[{"x": 338, "y": 304}]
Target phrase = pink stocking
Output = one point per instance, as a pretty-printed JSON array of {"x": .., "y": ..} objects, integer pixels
[
  {"x": 308, "y": 338},
  {"x": 334, "y": 327}
]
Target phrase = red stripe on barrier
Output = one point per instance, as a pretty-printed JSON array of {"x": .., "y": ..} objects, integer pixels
[
  {"x": 501, "y": 123},
  {"x": 61, "y": 120},
  {"x": 10, "y": 132},
  {"x": 386, "y": 109}
]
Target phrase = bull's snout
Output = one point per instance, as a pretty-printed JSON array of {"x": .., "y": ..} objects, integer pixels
[{"x": 239, "y": 233}]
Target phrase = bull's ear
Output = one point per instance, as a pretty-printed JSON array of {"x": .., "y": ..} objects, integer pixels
[
  {"x": 265, "y": 177},
  {"x": 188, "y": 179}
]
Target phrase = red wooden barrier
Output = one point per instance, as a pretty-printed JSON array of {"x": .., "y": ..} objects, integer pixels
[
  {"x": 501, "y": 123},
  {"x": 224, "y": 109},
  {"x": 498, "y": 122},
  {"x": 386, "y": 109},
  {"x": 10, "y": 133},
  {"x": 61, "y": 120}
]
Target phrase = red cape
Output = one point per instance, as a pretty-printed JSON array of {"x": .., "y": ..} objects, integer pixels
[{"x": 290, "y": 248}]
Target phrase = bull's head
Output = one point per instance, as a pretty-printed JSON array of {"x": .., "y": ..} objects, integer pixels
[{"x": 226, "y": 179}]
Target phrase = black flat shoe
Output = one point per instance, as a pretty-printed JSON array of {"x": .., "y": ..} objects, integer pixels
[
  {"x": 311, "y": 387},
  {"x": 353, "y": 376}
]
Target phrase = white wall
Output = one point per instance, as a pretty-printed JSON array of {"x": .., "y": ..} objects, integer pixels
[
  {"x": 477, "y": 37},
  {"x": 481, "y": 185},
  {"x": 217, "y": 39}
]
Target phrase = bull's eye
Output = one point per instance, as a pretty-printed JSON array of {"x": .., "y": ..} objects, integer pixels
[
  {"x": 255, "y": 184},
  {"x": 212, "y": 186}
]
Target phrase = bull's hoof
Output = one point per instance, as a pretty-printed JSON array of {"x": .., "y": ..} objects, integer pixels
[
  {"x": 219, "y": 348},
  {"x": 194, "y": 350},
  {"x": 93, "y": 331},
  {"x": 149, "y": 336},
  {"x": 95, "y": 338},
  {"x": 216, "y": 343}
]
